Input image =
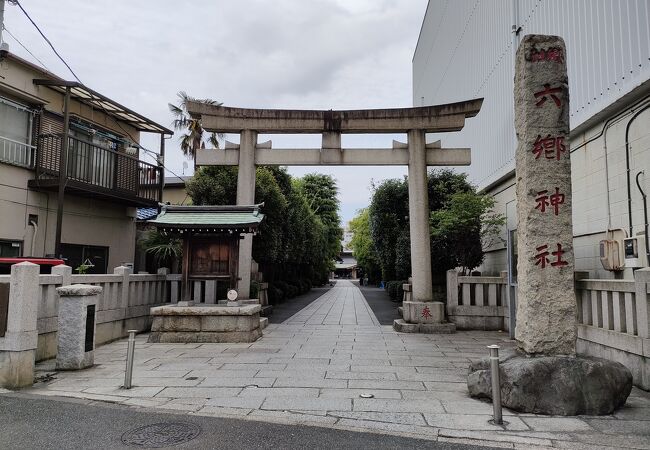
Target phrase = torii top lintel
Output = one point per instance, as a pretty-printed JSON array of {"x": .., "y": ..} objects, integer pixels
[{"x": 430, "y": 119}]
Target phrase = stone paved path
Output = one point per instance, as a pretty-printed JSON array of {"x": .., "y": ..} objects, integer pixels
[
  {"x": 313, "y": 369},
  {"x": 342, "y": 305}
]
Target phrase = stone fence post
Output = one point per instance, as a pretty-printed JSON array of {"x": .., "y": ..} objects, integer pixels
[
  {"x": 452, "y": 288},
  {"x": 18, "y": 346},
  {"x": 65, "y": 272},
  {"x": 163, "y": 272},
  {"x": 263, "y": 295},
  {"x": 641, "y": 280},
  {"x": 125, "y": 272},
  {"x": 407, "y": 296},
  {"x": 76, "y": 333}
]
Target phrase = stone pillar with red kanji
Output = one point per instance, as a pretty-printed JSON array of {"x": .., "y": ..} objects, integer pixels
[{"x": 546, "y": 310}]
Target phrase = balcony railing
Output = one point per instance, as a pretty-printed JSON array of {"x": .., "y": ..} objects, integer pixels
[
  {"x": 16, "y": 153},
  {"x": 98, "y": 169}
]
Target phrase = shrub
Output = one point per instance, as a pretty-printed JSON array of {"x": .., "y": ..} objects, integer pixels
[
  {"x": 276, "y": 295},
  {"x": 283, "y": 286},
  {"x": 395, "y": 290},
  {"x": 292, "y": 291},
  {"x": 304, "y": 285}
]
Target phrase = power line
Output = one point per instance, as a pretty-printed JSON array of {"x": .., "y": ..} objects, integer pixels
[
  {"x": 47, "y": 40},
  {"x": 26, "y": 49}
]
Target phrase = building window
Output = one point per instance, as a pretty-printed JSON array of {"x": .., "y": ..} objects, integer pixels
[
  {"x": 94, "y": 257},
  {"x": 10, "y": 249},
  {"x": 15, "y": 134}
]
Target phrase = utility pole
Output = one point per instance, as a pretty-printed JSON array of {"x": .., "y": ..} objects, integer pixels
[
  {"x": 2, "y": 22},
  {"x": 4, "y": 47}
]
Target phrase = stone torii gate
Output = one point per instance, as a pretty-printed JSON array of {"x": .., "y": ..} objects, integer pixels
[{"x": 417, "y": 154}]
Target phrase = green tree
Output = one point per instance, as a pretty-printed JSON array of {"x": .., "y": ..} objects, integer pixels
[
  {"x": 456, "y": 210},
  {"x": 320, "y": 191},
  {"x": 193, "y": 136},
  {"x": 267, "y": 245},
  {"x": 465, "y": 224},
  {"x": 213, "y": 185},
  {"x": 388, "y": 214},
  {"x": 362, "y": 245}
]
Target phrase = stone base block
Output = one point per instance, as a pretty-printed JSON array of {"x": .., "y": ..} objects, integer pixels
[
  {"x": 205, "y": 324},
  {"x": 250, "y": 301},
  {"x": 423, "y": 312},
  {"x": 267, "y": 310},
  {"x": 202, "y": 337},
  {"x": 264, "y": 322},
  {"x": 16, "y": 369},
  {"x": 426, "y": 328},
  {"x": 556, "y": 385}
]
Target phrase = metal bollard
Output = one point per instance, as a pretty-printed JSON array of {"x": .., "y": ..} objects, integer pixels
[
  {"x": 128, "y": 375},
  {"x": 496, "y": 383}
]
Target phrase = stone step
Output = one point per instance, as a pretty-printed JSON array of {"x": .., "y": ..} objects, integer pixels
[{"x": 263, "y": 322}]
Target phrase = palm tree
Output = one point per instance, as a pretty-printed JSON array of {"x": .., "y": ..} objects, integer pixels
[{"x": 192, "y": 139}]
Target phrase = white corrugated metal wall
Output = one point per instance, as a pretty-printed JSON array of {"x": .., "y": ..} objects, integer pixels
[{"x": 466, "y": 50}]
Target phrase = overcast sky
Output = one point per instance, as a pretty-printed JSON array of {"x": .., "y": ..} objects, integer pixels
[{"x": 304, "y": 54}]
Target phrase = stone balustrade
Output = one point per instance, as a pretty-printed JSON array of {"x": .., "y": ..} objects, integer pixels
[
  {"x": 123, "y": 304},
  {"x": 477, "y": 302},
  {"x": 612, "y": 321}
]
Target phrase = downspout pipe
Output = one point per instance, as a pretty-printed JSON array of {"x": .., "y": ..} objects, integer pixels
[
  {"x": 31, "y": 249},
  {"x": 645, "y": 215},
  {"x": 627, "y": 167},
  {"x": 63, "y": 171}
]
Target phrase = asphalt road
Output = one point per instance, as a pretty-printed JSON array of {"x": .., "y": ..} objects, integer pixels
[
  {"x": 379, "y": 301},
  {"x": 30, "y": 422}
]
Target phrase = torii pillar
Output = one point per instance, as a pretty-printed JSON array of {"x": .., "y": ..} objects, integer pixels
[
  {"x": 246, "y": 196},
  {"x": 421, "y": 314}
]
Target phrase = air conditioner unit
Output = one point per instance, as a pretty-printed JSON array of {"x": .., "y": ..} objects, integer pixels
[
  {"x": 131, "y": 150},
  {"x": 635, "y": 252},
  {"x": 611, "y": 256}
]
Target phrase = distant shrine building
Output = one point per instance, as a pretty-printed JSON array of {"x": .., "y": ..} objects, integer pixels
[{"x": 608, "y": 57}]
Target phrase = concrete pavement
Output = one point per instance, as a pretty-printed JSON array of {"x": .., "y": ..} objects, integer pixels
[{"x": 315, "y": 367}]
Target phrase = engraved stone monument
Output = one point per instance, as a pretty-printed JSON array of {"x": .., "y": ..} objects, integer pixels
[{"x": 545, "y": 375}]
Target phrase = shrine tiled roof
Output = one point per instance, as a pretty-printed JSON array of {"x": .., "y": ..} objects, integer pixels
[{"x": 209, "y": 218}]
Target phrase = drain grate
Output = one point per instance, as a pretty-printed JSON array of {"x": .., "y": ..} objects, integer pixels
[{"x": 161, "y": 434}]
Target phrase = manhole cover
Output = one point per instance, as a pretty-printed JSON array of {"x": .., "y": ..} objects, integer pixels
[{"x": 161, "y": 434}]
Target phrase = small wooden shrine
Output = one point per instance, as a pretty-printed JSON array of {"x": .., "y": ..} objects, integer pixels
[{"x": 210, "y": 236}]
